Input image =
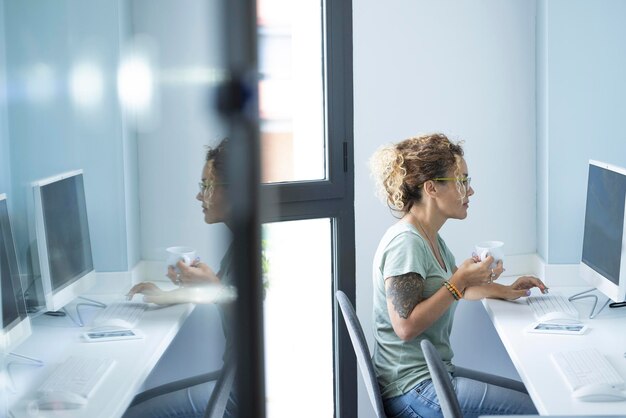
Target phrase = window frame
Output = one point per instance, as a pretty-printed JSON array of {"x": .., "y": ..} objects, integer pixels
[
  {"x": 274, "y": 202},
  {"x": 332, "y": 197}
]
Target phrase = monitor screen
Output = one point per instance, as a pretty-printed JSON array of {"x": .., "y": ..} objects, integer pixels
[
  {"x": 15, "y": 321},
  {"x": 603, "y": 241},
  {"x": 63, "y": 239}
]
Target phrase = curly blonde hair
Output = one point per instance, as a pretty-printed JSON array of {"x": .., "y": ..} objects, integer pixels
[
  {"x": 401, "y": 169},
  {"x": 216, "y": 158}
]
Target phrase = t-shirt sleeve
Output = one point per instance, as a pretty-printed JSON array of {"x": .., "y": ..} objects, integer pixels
[{"x": 405, "y": 253}]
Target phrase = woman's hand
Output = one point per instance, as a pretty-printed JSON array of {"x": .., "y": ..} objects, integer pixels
[
  {"x": 208, "y": 293},
  {"x": 496, "y": 272},
  {"x": 473, "y": 272},
  {"x": 198, "y": 273},
  {"x": 149, "y": 290},
  {"x": 521, "y": 287}
]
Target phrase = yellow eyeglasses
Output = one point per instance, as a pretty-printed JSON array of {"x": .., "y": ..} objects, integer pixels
[
  {"x": 208, "y": 186},
  {"x": 465, "y": 181}
]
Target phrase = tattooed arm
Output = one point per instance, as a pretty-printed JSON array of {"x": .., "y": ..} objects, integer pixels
[
  {"x": 410, "y": 313},
  {"x": 405, "y": 292}
]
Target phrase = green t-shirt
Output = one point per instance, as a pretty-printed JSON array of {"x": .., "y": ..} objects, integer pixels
[{"x": 400, "y": 365}]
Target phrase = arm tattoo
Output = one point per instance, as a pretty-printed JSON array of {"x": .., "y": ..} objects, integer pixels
[{"x": 405, "y": 292}]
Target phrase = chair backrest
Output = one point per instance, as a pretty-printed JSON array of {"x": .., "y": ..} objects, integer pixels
[
  {"x": 221, "y": 392},
  {"x": 362, "y": 352},
  {"x": 441, "y": 380}
]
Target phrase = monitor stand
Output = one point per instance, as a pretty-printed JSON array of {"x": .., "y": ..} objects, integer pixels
[
  {"x": 584, "y": 295},
  {"x": 78, "y": 319},
  {"x": 25, "y": 360}
]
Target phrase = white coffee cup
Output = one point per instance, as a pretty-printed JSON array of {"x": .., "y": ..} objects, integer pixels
[
  {"x": 176, "y": 254},
  {"x": 490, "y": 248}
]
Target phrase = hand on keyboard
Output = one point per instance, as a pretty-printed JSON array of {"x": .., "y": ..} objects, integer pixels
[
  {"x": 526, "y": 283},
  {"x": 522, "y": 287},
  {"x": 147, "y": 289}
]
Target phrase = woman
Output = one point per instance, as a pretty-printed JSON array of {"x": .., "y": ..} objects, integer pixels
[
  {"x": 417, "y": 283},
  {"x": 197, "y": 281},
  {"x": 199, "y": 284}
]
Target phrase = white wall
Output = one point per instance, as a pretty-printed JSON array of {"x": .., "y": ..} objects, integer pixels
[
  {"x": 466, "y": 69},
  {"x": 140, "y": 183},
  {"x": 45, "y": 128},
  {"x": 582, "y": 62}
]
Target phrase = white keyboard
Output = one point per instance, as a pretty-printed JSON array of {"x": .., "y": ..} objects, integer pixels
[
  {"x": 121, "y": 314},
  {"x": 77, "y": 375},
  {"x": 585, "y": 367},
  {"x": 552, "y": 306}
]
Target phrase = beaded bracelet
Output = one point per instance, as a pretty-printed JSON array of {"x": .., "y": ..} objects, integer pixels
[
  {"x": 456, "y": 289},
  {"x": 453, "y": 290}
]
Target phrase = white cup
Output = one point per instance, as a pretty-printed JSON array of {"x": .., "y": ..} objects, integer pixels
[
  {"x": 490, "y": 248},
  {"x": 176, "y": 254}
]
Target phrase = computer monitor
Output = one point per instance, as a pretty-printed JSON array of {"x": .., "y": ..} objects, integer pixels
[
  {"x": 603, "y": 262},
  {"x": 15, "y": 321},
  {"x": 63, "y": 241}
]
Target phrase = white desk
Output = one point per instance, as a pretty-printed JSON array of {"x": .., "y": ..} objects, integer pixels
[
  {"x": 55, "y": 338},
  {"x": 530, "y": 352}
]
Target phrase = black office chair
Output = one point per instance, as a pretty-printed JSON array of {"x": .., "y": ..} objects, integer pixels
[
  {"x": 440, "y": 378},
  {"x": 221, "y": 392},
  {"x": 362, "y": 352},
  {"x": 443, "y": 385},
  {"x": 216, "y": 407},
  {"x": 448, "y": 401}
]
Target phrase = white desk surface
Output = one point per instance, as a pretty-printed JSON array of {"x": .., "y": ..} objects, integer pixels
[
  {"x": 531, "y": 353},
  {"x": 56, "y": 338}
]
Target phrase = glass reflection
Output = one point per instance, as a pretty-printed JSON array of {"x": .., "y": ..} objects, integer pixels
[
  {"x": 86, "y": 84},
  {"x": 197, "y": 282},
  {"x": 121, "y": 90}
]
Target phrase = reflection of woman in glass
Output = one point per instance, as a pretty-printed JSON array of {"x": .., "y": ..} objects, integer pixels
[
  {"x": 215, "y": 208},
  {"x": 417, "y": 282},
  {"x": 199, "y": 284}
]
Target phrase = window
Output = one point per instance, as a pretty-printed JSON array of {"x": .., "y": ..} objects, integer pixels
[{"x": 305, "y": 106}]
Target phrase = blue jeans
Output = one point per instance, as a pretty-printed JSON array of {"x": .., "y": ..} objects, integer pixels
[{"x": 475, "y": 398}]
